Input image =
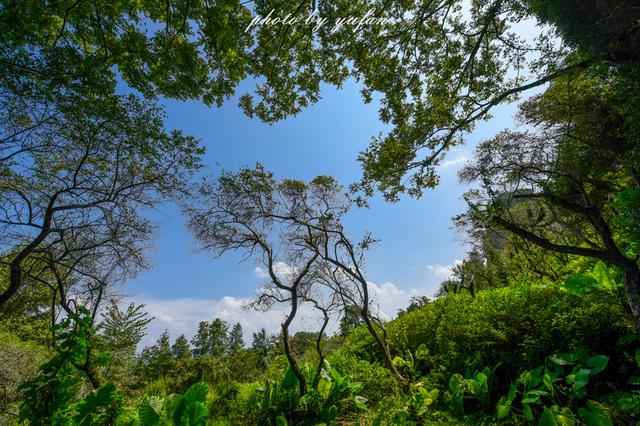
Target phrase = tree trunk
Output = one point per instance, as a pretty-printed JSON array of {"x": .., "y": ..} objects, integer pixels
[
  {"x": 316, "y": 379},
  {"x": 472, "y": 290},
  {"x": 302, "y": 383},
  {"x": 631, "y": 274},
  {"x": 386, "y": 354},
  {"x": 287, "y": 344}
]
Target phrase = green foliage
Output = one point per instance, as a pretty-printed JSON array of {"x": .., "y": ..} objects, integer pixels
[
  {"x": 180, "y": 349},
  {"x": 119, "y": 332},
  {"x": 419, "y": 400},
  {"x": 235, "y": 341},
  {"x": 156, "y": 361},
  {"x": 189, "y": 409},
  {"x": 475, "y": 386},
  {"x": 517, "y": 325},
  {"x": 558, "y": 389},
  {"x": 627, "y": 202},
  {"x": 377, "y": 382},
  {"x": 50, "y": 397},
  {"x": 598, "y": 279},
  {"x": 19, "y": 362},
  {"x": 280, "y": 401}
]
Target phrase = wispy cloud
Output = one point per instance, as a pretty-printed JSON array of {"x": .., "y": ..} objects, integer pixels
[{"x": 455, "y": 162}]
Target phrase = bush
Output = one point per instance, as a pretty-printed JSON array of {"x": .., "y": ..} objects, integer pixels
[
  {"x": 377, "y": 381},
  {"x": 19, "y": 362},
  {"x": 509, "y": 326}
]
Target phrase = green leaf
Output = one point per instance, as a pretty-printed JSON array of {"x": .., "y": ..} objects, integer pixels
[
  {"x": 547, "y": 418},
  {"x": 173, "y": 407},
  {"x": 579, "y": 285},
  {"x": 197, "y": 393},
  {"x": 598, "y": 363},
  {"x": 602, "y": 276},
  {"x": 195, "y": 414},
  {"x": 512, "y": 392},
  {"x": 290, "y": 379},
  {"x": 531, "y": 399},
  {"x": 580, "y": 379},
  {"x": 101, "y": 398},
  {"x": 149, "y": 411},
  {"x": 595, "y": 415},
  {"x": 526, "y": 411},
  {"x": 546, "y": 379},
  {"x": 504, "y": 408},
  {"x": 563, "y": 359}
]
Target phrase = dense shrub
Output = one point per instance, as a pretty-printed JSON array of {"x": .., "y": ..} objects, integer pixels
[
  {"x": 510, "y": 326},
  {"x": 377, "y": 381}
]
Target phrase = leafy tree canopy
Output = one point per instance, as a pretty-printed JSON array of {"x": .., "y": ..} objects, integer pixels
[{"x": 440, "y": 66}]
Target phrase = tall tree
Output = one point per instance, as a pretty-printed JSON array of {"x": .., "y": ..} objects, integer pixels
[
  {"x": 201, "y": 341},
  {"x": 120, "y": 332},
  {"x": 157, "y": 360},
  {"x": 440, "y": 65},
  {"x": 75, "y": 176},
  {"x": 571, "y": 183},
  {"x": 253, "y": 212},
  {"x": 181, "y": 349},
  {"x": 218, "y": 337},
  {"x": 236, "y": 341},
  {"x": 261, "y": 342},
  {"x": 228, "y": 216}
]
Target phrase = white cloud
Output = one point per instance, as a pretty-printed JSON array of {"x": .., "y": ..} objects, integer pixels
[
  {"x": 282, "y": 270},
  {"x": 454, "y": 162},
  {"x": 181, "y": 316},
  {"x": 389, "y": 298},
  {"x": 260, "y": 272},
  {"x": 442, "y": 272}
]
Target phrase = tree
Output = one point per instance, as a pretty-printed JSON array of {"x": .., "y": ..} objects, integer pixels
[
  {"x": 453, "y": 66},
  {"x": 350, "y": 320},
  {"x": 236, "y": 341},
  {"x": 416, "y": 302},
  {"x": 181, "y": 349},
  {"x": 51, "y": 397},
  {"x": 76, "y": 174},
  {"x": 218, "y": 337},
  {"x": 570, "y": 184},
  {"x": 211, "y": 339},
  {"x": 123, "y": 330},
  {"x": 440, "y": 66},
  {"x": 261, "y": 342},
  {"x": 157, "y": 360},
  {"x": 252, "y": 212},
  {"x": 228, "y": 216},
  {"x": 326, "y": 305},
  {"x": 467, "y": 275},
  {"x": 200, "y": 342},
  {"x": 120, "y": 332}
]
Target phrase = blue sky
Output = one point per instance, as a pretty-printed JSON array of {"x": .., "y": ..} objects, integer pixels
[{"x": 416, "y": 246}]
